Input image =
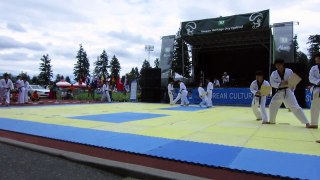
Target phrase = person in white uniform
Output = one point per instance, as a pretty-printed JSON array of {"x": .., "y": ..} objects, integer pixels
[
  {"x": 183, "y": 95},
  {"x": 203, "y": 96},
  {"x": 21, "y": 89},
  {"x": 170, "y": 91},
  {"x": 105, "y": 92},
  {"x": 216, "y": 83},
  {"x": 26, "y": 90},
  {"x": 6, "y": 86},
  {"x": 259, "y": 101},
  {"x": 209, "y": 92},
  {"x": 314, "y": 78},
  {"x": 279, "y": 80}
]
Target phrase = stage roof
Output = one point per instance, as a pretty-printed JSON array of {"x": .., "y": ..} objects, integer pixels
[{"x": 239, "y": 30}]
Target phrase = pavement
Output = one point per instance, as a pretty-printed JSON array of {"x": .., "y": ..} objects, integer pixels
[{"x": 18, "y": 163}]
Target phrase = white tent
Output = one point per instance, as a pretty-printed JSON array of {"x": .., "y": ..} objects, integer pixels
[
  {"x": 81, "y": 85},
  {"x": 63, "y": 83}
]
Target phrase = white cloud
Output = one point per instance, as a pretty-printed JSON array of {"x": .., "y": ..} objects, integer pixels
[{"x": 31, "y": 28}]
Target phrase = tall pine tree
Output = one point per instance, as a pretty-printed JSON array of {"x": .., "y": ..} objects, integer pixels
[
  {"x": 115, "y": 67},
  {"x": 145, "y": 65},
  {"x": 177, "y": 63},
  {"x": 101, "y": 65},
  {"x": 81, "y": 68},
  {"x": 314, "y": 48},
  {"x": 299, "y": 56},
  {"x": 45, "y": 70}
]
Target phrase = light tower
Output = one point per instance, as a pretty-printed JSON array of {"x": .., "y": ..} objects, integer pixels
[{"x": 149, "y": 48}]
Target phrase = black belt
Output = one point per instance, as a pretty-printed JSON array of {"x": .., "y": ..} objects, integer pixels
[
  {"x": 284, "y": 88},
  {"x": 315, "y": 86},
  {"x": 259, "y": 99}
]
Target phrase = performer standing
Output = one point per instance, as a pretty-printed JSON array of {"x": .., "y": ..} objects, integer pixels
[
  {"x": 209, "y": 92},
  {"x": 203, "y": 96},
  {"x": 258, "y": 99},
  {"x": 279, "y": 80},
  {"x": 170, "y": 91},
  {"x": 5, "y": 86},
  {"x": 26, "y": 90},
  {"x": 314, "y": 78},
  {"x": 182, "y": 94},
  {"x": 20, "y": 86},
  {"x": 105, "y": 92},
  {"x": 216, "y": 83}
]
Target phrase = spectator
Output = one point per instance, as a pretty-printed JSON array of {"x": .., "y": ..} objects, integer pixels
[
  {"x": 35, "y": 96},
  {"x": 216, "y": 83},
  {"x": 225, "y": 79}
]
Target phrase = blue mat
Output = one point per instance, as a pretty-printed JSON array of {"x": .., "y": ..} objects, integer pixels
[
  {"x": 239, "y": 158},
  {"x": 118, "y": 117},
  {"x": 184, "y": 108}
]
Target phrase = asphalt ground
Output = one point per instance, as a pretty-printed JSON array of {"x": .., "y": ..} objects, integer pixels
[{"x": 18, "y": 163}]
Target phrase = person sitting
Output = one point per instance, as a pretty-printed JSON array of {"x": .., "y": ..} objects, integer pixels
[{"x": 35, "y": 96}]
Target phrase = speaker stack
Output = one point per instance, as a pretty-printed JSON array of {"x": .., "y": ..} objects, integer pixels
[{"x": 150, "y": 83}]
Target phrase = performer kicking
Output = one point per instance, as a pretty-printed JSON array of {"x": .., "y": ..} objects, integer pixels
[
  {"x": 5, "y": 86},
  {"x": 209, "y": 92},
  {"x": 170, "y": 91},
  {"x": 182, "y": 94},
  {"x": 258, "y": 99},
  {"x": 314, "y": 78},
  {"x": 279, "y": 80},
  {"x": 203, "y": 96}
]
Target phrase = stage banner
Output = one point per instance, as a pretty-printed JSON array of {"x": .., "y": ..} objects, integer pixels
[
  {"x": 224, "y": 96},
  {"x": 165, "y": 58},
  {"x": 283, "y": 41},
  {"x": 241, "y": 22},
  {"x": 308, "y": 98},
  {"x": 133, "y": 91}
]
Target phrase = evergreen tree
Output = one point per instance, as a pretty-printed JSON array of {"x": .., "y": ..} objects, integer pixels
[
  {"x": 156, "y": 63},
  {"x": 35, "y": 80},
  {"x": 68, "y": 79},
  {"x": 177, "y": 64},
  {"x": 101, "y": 65},
  {"x": 81, "y": 68},
  {"x": 145, "y": 65},
  {"x": 58, "y": 78},
  {"x": 24, "y": 75},
  {"x": 299, "y": 56},
  {"x": 137, "y": 74},
  {"x": 314, "y": 47},
  {"x": 45, "y": 70},
  {"x": 115, "y": 67}
]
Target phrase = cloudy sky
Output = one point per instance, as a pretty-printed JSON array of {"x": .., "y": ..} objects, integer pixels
[{"x": 31, "y": 28}]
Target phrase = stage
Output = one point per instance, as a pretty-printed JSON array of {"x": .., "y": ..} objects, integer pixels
[{"x": 224, "y": 136}]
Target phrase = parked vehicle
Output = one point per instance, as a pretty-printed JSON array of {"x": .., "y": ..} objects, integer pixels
[{"x": 41, "y": 90}]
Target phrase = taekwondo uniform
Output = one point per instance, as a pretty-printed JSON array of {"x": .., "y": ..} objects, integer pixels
[
  {"x": 26, "y": 90},
  {"x": 105, "y": 93},
  {"x": 5, "y": 87},
  {"x": 203, "y": 96},
  {"x": 170, "y": 92},
  {"x": 209, "y": 94},
  {"x": 183, "y": 95},
  {"x": 314, "y": 78},
  {"x": 20, "y": 85},
  {"x": 259, "y": 101},
  {"x": 286, "y": 95}
]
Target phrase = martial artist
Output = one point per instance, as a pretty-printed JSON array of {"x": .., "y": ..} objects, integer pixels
[
  {"x": 258, "y": 99},
  {"x": 314, "y": 78},
  {"x": 21, "y": 89},
  {"x": 203, "y": 96},
  {"x": 183, "y": 93},
  {"x": 279, "y": 80},
  {"x": 170, "y": 91},
  {"x": 26, "y": 90},
  {"x": 209, "y": 92},
  {"x": 216, "y": 83},
  {"x": 105, "y": 92},
  {"x": 6, "y": 86}
]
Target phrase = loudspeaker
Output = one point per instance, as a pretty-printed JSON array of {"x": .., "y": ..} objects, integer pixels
[
  {"x": 150, "y": 78},
  {"x": 150, "y": 94}
]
